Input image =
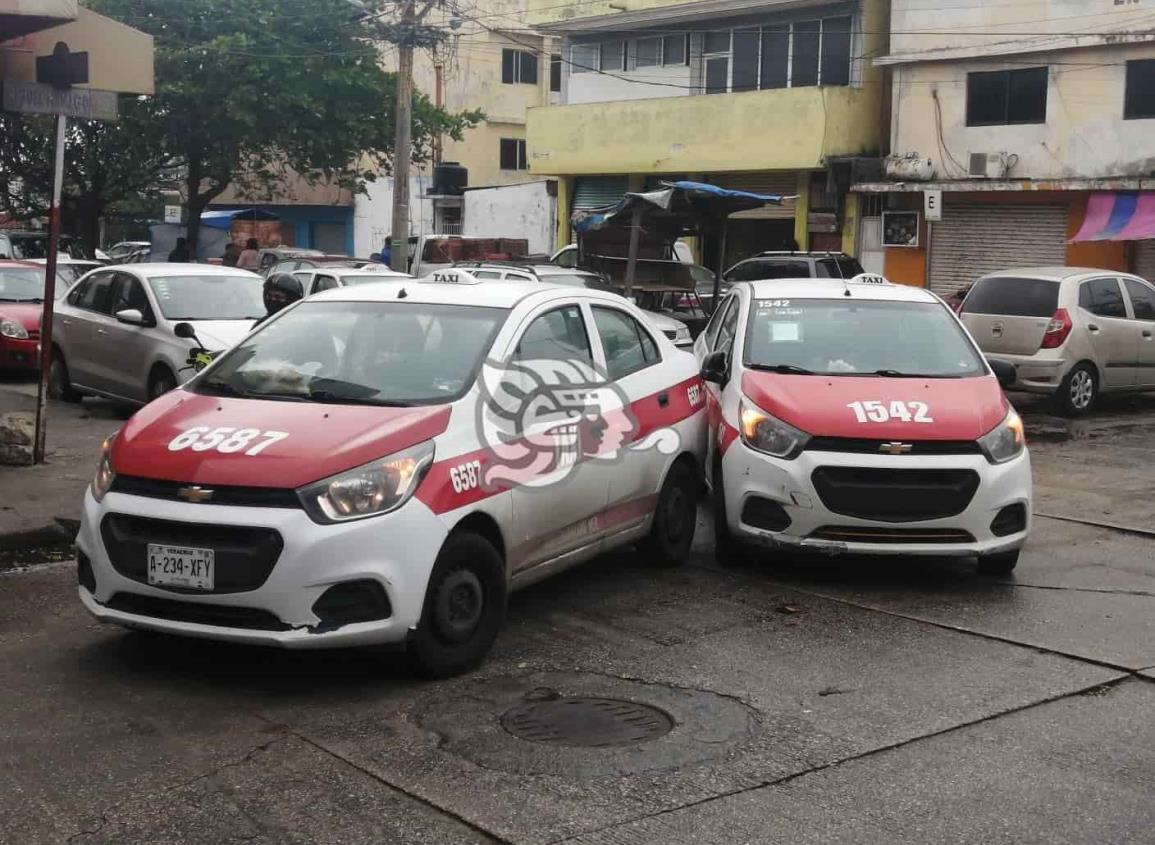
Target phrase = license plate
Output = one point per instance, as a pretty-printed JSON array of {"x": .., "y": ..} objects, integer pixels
[{"x": 181, "y": 566}]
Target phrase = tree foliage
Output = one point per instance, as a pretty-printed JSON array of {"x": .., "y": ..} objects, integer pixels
[{"x": 246, "y": 92}]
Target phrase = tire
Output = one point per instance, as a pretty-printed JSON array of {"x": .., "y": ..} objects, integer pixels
[
  {"x": 1003, "y": 563},
  {"x": 59, "y": 385},
  {"x": 1078, "y": 392},
  {"x": 728, "y": 549},
  {"x": 675, "y": 517},
  {"x": 463, "y": 611},
  {"x": 160, "y": 383}
]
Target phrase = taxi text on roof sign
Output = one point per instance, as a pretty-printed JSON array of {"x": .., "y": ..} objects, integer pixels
[
  {"x": 868, "y": 279},
  {"x": 451, "y": 277}
]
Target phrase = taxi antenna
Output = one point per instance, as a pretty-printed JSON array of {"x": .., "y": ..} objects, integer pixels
[{"x": 845, "y": 282}]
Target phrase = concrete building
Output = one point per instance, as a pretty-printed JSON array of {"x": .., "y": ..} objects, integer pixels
[
  {"x": 317, "y": 216},
  {"x": 775, "y": 96},
  {"x": 1023, "y": 115}
]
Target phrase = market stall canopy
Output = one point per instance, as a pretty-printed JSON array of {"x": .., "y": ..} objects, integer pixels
[
  {"x": 683, "y": 204},
  {"x": 1118, "y": 216},
  {"x": 224, "y": 219}
]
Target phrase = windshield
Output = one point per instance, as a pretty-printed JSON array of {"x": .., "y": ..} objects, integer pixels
[
  {"x": 21, "y": 284},
  {"x": 371, "y": 353},
  {"x": 36, "y": 246},
  {"x": 209, "y": 297},
  {"x": 846, "y": 337}
]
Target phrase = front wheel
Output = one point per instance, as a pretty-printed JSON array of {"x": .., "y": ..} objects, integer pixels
[
  {"x": 1003, "y": 563},
  {"x": 675, "y": 517},
  {"x": 161, "y": 382},
  {"x": 1078, "y": 391},
  {"x": 60, "y": 383},
  {"x": 463, "y": 611}
]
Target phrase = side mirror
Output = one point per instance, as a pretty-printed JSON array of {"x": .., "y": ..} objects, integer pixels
[
  {"x": 184, "y": 330},
  {"x": 131, "y": 316},
  {"x": 715, "y": 368},
  {"x": 1006, "y": 372}
]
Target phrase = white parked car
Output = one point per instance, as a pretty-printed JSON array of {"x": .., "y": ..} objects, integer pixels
[
  {"x": 114, "y": 334},
  {"x": 318, "y": 279}
]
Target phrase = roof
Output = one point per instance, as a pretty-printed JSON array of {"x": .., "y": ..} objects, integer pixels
[
  {"x": 836, "y": 288},
  {"x": 797, "y": 253},
  {"x": 183, "y": 269},
  {"x": 489, "y": 293},
  {"x": 369, "y": 270},
  {"x": 1055, "y": 274}
]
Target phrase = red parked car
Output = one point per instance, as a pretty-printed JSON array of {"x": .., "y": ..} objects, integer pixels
[{"x": 21, "y": 301}]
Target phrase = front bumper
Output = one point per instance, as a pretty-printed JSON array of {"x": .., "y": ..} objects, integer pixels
[
  {"x": 396, "y": 550},
  {"x": 748, "y": 474},
  {"x": 19, "y": 354}
]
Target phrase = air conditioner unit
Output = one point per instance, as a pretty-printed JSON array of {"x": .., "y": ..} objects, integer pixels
[{"x": 989, "y": 165}]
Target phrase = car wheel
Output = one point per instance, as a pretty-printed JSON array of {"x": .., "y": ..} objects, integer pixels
[
  {"x": 463, "y": 611},
  {"x": 59, "y": 385},
  {"x": 1003, "y": 563},
  {"x": 161, "y": 382},
  {"x": 675, "y": 517},
  {"x": 728, "y": 549},
  {"x": 1078, "y": 391}
]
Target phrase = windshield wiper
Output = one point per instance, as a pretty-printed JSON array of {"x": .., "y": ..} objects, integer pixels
[
  {"x": 220, "y": 388},
  {"x": 345, "y": 399},
  {"x": 899, "y": 374},
  {"x": 785, "y": 369}
]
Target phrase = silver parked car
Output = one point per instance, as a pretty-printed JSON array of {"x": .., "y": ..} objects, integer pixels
[
  {"x": 1072, "y": 332},
  {"x": 115, "y": 334},
  {"x": 316, "y": 279}
]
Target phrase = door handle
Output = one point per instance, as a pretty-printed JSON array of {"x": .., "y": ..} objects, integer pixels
[
  {"x": 102, "y": 331},
  {"x": 1147, "y": 335},
  {"x": 66, "y": 322},
  {"x": 663, "y": 399},
  {"x": 1091, "y": 327}
]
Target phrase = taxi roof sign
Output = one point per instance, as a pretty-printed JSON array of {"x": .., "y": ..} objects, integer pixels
[
  {"x": 451, "y": 276},
  {"x": 868, "y": 279}
]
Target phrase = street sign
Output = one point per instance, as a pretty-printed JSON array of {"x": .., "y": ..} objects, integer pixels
[
  {"x": 39, "y": 98},
  {"x": 172, "y": 214}
]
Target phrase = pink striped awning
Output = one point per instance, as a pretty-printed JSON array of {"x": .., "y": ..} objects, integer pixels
[{"x": 1117, "y": 216}]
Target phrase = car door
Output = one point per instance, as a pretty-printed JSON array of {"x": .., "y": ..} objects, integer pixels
[
  {"x": 1142, "y": 296},
  {"x": 638, "y": 381},
  {"x": 1111, "y": 334},
  {"x": 722, "y": 340},
  {"x": 545, "y": 393},
  {"x": 127, "y": 351},
  {"x": 85, "y": 325}
]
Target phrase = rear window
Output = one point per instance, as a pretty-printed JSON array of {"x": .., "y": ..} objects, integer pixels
[
  {"x": 749, "y": 271},
  {"x": 1013, "y": 297},
  {"x": 838, "y": 268}
]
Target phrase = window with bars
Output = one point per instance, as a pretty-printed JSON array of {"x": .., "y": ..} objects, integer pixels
[
  {"x": 513, "y": 154},
  {"x": 518, "y": 66},
  {"x": 1139, "y": 96},
  {"x": 782, "y": 55},
  {"x": 555, "y": 73}
]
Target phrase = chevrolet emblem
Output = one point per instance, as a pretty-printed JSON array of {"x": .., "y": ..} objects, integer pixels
[
  {"x": 895, "y": 448},
  {"x": 195, "y": 494}
]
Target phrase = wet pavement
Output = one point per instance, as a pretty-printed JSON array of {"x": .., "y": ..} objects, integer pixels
[{"x": 846, "y": 700}]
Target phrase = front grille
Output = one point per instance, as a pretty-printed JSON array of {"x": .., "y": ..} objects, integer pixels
[
  {"x": 243, "y": 558},
  {"x": 875, "y": 447},
  {"x": 257, "y": 497},
  {"x": 898, "y": 536},
  {"x": 221, "y": 615},
  {"x": 670, "y": 334},
  {"x": 895, "y": 495}
]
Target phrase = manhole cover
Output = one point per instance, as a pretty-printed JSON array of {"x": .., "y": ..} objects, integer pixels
[{"x": 587, "y": 722}]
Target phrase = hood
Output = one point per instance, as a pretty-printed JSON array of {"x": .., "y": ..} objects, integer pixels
[
  {"x": 663, "y": 323},
  {"x": 217, "y": 335},
  {"x": 27, "y": 314},
  {"x": 322, "y": 439},
  {"x": 959, "y": 408}
]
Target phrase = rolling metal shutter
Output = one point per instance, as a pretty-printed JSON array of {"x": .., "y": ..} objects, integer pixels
[
  {"x": 598, "y": 191},
  {"x": 973, "y": 240},
  {"x": 1145, "y": 260},
  {"x": 778, "y": 182}
]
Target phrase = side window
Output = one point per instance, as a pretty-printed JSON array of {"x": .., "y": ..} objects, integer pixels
[
  {"x": 487, "y": 274},
  {"x": 627, "y": 345},
  {"x": 518, "y": 277},
  {"x": 567, "y": 258},
  {"x": 558, "y": 335},
  {"x": 716, "y": 320},
  {"x": 129, "y": 293},
  {"x": 77, "y": 292},
  {"x": 97, "y": 296},
  {"x": 1103, "y": 298},
  {"x": 1142, "y": 299},
  {"x": 725, "y": 340},
  {"x": 321, "y": 283}
]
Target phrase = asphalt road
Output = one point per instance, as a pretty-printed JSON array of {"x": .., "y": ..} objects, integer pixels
[{"x": 842, "y": 701}]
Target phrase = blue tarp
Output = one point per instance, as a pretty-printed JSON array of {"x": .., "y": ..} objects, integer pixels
[
  {"x": 224, "y": 219},
  {"x": 692, "y": 202}
]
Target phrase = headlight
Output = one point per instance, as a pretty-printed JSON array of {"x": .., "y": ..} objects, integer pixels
[
  {"x": 768, "y": 434},
  {"x": 1005, "y": 441},
  {"x": 10, "y": 328},
  {"x": 102, "y": 481},
  {"x": 374, "y": 488}
]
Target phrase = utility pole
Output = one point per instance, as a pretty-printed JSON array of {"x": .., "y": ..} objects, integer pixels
[{"x": 403, "y": 140}]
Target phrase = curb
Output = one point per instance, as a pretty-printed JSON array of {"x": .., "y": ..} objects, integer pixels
[{"x": 58, "y": 531}]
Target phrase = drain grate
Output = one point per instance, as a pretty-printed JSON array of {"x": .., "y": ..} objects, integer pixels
[{"x": 587, "y": 722}]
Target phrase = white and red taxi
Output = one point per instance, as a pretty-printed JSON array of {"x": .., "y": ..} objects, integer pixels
[
  {"x": 859, "y": 417},
  {"x": 381, "y": 463}
]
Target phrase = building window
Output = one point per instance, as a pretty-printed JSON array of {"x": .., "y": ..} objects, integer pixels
[
  {"x": 585, "y": 58},
  {"x": 513, "y": 154},
  {"x": 518, "y": 66},
  {"x": 674, "y": 50},
  {"x": 790, "y": 55},
  {"x": 647, "y": 52},
  {"x": 1139, "y": 100},
  {"x": 555, "y": 73},
  {"x": 613, "y": 55},
  {"x": 1005, "y": 97}
]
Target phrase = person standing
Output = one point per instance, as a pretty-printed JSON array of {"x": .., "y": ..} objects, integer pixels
[
  {"x": 387, "y": 251},
  {"x": 250, "y": 257},
  {"x": 232, "y": 253},
  {"x": 180, "y": 253}
]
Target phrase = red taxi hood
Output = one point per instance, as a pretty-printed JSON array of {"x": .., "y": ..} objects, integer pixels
[
  {"x": 961, "y": 408},
  {"x": 27, "y": 314},
  {"x": 322, "y": 439}
]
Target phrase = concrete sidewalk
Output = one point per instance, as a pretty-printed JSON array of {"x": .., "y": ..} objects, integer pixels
[{"x": 41, "y": 504}]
